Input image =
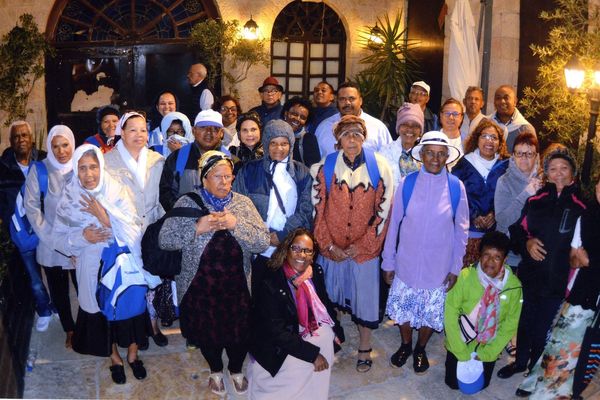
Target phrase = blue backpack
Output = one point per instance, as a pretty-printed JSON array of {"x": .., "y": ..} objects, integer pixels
[
  {"x": 131, "y": 302},
  {"x": 184, "y": 153},
  {"x": 21, "y": 232},
  {"x": 370, "y": 160},
  {"x": 409, "y": 186}
]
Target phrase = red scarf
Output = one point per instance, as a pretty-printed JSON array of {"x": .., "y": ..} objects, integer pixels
[{"x": 306, "y": 314}]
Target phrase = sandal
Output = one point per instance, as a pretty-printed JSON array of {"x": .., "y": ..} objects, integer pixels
[
  {"x": 216, "y": 385},
  {"x": 364, "y": 365},
  {"x": 239, "y": 383},
  {"x": 511, "y": 349}
]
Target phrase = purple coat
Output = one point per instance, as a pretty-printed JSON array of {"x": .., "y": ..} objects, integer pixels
[{"x": 430, "y": 244}]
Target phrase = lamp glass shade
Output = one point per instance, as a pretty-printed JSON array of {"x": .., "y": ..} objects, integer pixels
[
  {"x": 574, "y": 77},
  {"x": 597, "y": 77},
  {"x": 250, "y": 30}
]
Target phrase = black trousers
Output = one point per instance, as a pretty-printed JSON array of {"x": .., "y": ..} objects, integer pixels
[
  {"x": 259, "y": 268},
  {"x": 452, "y": 382},
  {"x": 535, "y": 322},
  {"x": 214, "y": 356},
  {"x": 58, "y": 286}
]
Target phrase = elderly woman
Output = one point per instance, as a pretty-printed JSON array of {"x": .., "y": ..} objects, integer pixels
[
  {"x": 250, "y": 146},
  {"x": 352, "y": 195},
  {"x": 107, "y": 118},
  {"x": 298, "y": 113},
  {"x": 487, "y": 297},
  {"x": 108, "y": 214},
  {"x": 166, "y": 102},
  {"x": 424, "y": 248},
  {"x": 409, "y": 126},
  {"x": 518, "y": 183},
  {"x": 280, "y": 189},
  {"x": 553, "y": 375},
  {"x": 293, "y": 335},
  {"x": 175, "y": 132},
  {"x": 41, "y": 215},
  {"x": 542, "y": 236},
  {"x": 484, "y": 162},
  {"x": 140, "y": 169},
  {"x": 213, "y": 288}
]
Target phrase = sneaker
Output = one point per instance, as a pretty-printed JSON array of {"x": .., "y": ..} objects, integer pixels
[
  {"x": 420, "y": 362},
  {"x": 399, "y": 358},
  {"x": 42, "y": 323}
]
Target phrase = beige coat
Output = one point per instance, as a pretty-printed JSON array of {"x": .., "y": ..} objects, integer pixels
[
  {"x": 42, "y": 221},
  {"x": 146, "y": 201}
]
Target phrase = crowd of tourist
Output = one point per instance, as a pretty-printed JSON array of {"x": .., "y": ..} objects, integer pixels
[{"x": 279, "y": 219}]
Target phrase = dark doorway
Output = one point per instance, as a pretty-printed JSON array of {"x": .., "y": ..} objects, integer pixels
[
  {"x": 423, "y": 26},
  {"x": 122, "y": 52}
]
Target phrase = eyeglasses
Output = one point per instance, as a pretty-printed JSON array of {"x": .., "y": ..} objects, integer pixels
[
  {"x": 525, "y": 154},
  {"x": 179, "y": 132},
  {"x": 356, "y": 134},
  {"x": 418, "y": 93},
  {"x": 299, "y": 116},
  {"x": 230, "y": 109},
  {"x": 270, "y": 91},
  {"x": 226, "y": 178},
  {"x": 433, "y": 154},
  {"x": 282, "y": 144},
  {"x": 490, "y": 137},
  {"x": 298, "y": 250},
  {"x": 449, "y": 114}
]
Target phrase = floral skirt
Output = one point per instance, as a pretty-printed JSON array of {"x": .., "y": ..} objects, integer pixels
[
  {"x": 419, "y": 307},
  {"x": 552, "y": 375}
]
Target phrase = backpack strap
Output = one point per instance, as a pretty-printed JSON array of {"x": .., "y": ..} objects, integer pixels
[
  {"x": 454, "y": 187},
  {"x": 182, "y": 156},
  {"x": 198, "y": 200},
  {"x": 407, "y": 189},
  {"x": 94, "y": 140},
  {"x": 42, "y": 176},
  {"x": 328, "y": 168},
  {"x": 372, "y": 167}
]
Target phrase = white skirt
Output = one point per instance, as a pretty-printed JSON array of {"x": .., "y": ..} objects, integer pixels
[{"x": 296, "y": 378}]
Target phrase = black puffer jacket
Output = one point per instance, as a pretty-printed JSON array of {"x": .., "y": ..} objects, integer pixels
[{"x": 551, "y": 219}]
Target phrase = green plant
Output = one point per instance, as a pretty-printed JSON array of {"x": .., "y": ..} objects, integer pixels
[
  {"x": 565, "y": 114},
  {"x": 390, "y": 65},
  {"x": 219, "y": 41},
  {"x": 22, "y": 53}
]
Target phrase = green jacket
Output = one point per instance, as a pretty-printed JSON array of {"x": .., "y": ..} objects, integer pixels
[{"x": 463, "y": 297}]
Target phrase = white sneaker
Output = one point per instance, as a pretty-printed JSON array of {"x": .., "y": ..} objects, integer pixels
[{"x": 42, "y": 323}]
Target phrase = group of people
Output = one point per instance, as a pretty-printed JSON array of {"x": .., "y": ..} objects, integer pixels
[{"x": 291, "y": 213}]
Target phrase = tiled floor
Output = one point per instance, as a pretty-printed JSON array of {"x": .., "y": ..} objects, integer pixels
[{"x": 176, "y": 373}]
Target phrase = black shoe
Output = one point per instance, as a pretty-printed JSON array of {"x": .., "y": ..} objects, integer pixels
[
  {"x": 160, "y": 339},
  {"x": 522, "y": 393},
  {"x": 509, "y": 370},
  {"x": 117, "y": 373},
  {"x": 399, "y": 358},
  {"x": 143, "y": 347},
  {"x": 138, "y": 369},
  {"x": 420, "y": 361}
]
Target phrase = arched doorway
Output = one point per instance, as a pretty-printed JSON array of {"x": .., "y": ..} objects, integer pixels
[
  {"x": 123, "y": 52},
  {"x": 308, "y": 45}
]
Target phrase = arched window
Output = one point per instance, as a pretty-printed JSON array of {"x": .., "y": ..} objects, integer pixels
[{"x": 308, "y": 45}]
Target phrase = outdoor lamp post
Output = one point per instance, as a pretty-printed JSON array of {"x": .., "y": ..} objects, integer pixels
[
  {"x": 574, "y": 75},
  {"x": 250, "y": 29}
]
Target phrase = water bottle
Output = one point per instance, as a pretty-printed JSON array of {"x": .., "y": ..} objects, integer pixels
[{"x": 31, "y": 359}]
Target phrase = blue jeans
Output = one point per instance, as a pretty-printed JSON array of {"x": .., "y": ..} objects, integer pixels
[{"x": 40, "y": 294}]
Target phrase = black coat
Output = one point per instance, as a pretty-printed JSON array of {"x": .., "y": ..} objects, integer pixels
[
  {"x": 275, "y": 321},
  {"x": 552, "y": 220}
]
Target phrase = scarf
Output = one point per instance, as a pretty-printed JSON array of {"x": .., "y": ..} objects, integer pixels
[
  {"x": 489, "y": 305},
  {"x": 482, "y": 165},
  {"x": 137, "y": 168},
  {"x": 310, "y": 309},
  {"x": 67, "y": 133},
  {"x": 166, "y": 123},
  {"x": 217, "y": 203}
]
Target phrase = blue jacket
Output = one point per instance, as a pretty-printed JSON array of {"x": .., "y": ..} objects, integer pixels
[
  {"x": 252, "y": 181},
  {"x": 480, "y": 192}
]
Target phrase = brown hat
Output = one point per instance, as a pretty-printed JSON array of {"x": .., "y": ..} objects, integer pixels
[{"x": 271, "y": 80}]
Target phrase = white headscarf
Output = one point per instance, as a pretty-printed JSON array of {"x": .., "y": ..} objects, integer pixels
[
  {"x": 137, "y": 168},
  {"x": 67, "y": 133},
  {"x": 166, "y": 123}
]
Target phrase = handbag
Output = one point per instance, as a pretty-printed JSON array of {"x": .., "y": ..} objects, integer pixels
[
  {"x": 165, "y": 303},
  {"x": 468, "y": 331}
]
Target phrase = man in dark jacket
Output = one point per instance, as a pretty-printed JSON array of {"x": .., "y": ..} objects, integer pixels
[
  {"x": 270, "y": 94},
  {"x": 14, "y": 165}
]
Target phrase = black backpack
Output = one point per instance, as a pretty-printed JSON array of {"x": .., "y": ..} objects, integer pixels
[{"x": 167, "y": 262}]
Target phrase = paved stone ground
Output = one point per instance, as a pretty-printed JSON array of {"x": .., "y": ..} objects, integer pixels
[{"x": 177, "y": 373}]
